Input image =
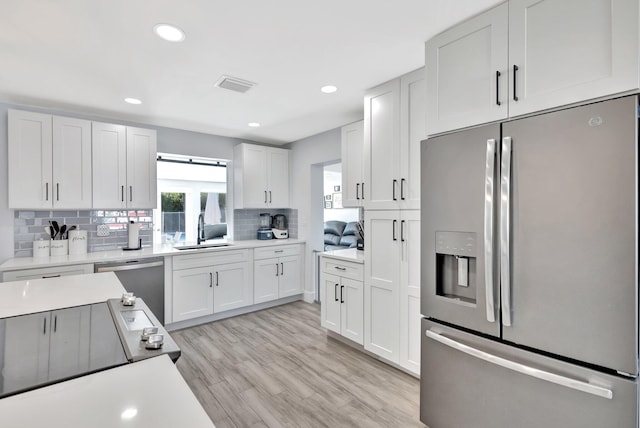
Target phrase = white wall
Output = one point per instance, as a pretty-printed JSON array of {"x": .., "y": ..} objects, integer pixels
[
  {"x": 169, "y": 141},
  {"x": 332, "y": 178},
  {"x": 308, "y": 157}
]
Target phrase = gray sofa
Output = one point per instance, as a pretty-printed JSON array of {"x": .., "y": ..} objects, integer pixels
[{"x": 339, "y": 235}]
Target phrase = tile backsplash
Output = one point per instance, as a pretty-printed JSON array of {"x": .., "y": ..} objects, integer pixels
[
  {"x": 246, "y": 222},
  {"x": 29, "y": 226}
]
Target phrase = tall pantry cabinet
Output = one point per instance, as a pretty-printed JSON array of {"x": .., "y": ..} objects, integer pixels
[{"x": 394, "y": 126}]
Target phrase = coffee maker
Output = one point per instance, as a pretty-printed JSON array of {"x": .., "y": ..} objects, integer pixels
[
  {"x": 264, "y": 231},
  {"x": 279, "y": 226}
]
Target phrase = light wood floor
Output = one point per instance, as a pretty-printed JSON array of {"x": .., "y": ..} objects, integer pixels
[{"x": 278, "y": 368}]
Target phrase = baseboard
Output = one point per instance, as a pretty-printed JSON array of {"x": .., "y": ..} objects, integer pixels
[
  {"x": 232, "y": 313},
  {"x": 309, "y": 296},
  {"x": 357, "y": 346}
]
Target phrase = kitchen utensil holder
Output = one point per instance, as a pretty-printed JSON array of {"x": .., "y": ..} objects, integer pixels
[
  {"x": 59, "y": 247},
  {"x": 41, "y": 248},
  {"x": 77, "y": 242}
]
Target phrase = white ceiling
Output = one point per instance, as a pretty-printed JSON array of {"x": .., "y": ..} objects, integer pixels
[{"x": 87, "y": 55}]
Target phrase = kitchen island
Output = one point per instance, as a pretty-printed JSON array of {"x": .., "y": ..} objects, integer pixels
[{"x": 146, "y": 393}]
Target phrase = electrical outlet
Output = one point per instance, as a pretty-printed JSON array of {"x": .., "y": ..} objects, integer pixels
[{"x": 103, "y": 230}]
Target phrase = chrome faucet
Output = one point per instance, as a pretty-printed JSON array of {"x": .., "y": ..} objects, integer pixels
[{"x": 201, "y": 237}]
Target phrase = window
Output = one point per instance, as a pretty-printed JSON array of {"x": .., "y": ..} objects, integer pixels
[{"x": 188, "y": 187}]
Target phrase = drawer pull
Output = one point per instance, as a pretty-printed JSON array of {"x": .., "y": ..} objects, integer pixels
[
  {"x": 279, "y": 251},
  {"x": 340, "y": 268}
]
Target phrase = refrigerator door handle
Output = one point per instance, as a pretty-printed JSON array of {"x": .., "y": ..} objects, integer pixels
[
  {"x": 488, "y": 228},
  {"x": 521, "y": 368},
  {"x": 505, "y": 200}
]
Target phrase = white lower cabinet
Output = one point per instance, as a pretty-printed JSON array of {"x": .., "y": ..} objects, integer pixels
[
  {"x": 48, "y": 272},
  {"x": 45, "y": 346},
  {"x": 277, "y": 272},
  {"x": 192, "y": 293},
  {"x": 230, "y": 289},
  {"x": 208, "y": 283},
  {"x": 342, "y": 298},
  {"x": 392, "y": 286}
]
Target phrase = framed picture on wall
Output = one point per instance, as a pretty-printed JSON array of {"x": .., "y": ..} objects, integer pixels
[
  {"x": 328, "y": 204},
  {"x": 327, "y": 197},
  {"x": 337, "y": 200}
]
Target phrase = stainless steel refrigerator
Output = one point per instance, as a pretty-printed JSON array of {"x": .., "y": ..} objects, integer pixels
[{"x": 530, "y": 272}]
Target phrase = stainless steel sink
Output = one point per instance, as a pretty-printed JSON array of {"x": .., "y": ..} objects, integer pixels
[{"x": 201, "y": 246}]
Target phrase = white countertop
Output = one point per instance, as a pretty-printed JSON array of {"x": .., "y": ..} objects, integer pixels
[
  {"x": 157, "y": 250},
  {"x": 149, "y": 393},
  {"x": 38, "y": 295},
  {"x": 348, "y": 254}
]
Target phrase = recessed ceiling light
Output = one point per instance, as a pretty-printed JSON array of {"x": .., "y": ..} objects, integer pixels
[
  {"x": 169, "y": 32},
  {"x": 329, "y": 89},
  {"x": 132, "y": 101},
  {"x": 254, "y": 124}
]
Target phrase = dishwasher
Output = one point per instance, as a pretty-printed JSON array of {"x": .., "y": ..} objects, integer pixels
[{"x": 144, "y": 278}]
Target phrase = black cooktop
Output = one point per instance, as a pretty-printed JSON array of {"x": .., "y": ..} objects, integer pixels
[{"x": 48, "y": 347}]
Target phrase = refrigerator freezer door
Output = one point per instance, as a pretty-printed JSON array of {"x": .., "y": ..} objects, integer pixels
[
  {"x": 573, "y": 233},
  {"x": 458, "y": 229},
  {"x": 469, "y": 381}
]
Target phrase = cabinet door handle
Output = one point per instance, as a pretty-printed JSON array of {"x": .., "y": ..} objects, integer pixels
[
  {"x": 217, "y": 280},
  {"x": 281, "y": 268},
  {"x": 46, "y": 191},
  {"x": 358, "y": 191},
  {"x": 341, "y": 298},
  {"x": 402, "y": 231},
  {"x": 210, "y": 280},
  {"x": 269, "y": 196},
  {"x": 265, "y": 196},
  {"x": 394, "y": 225},
  {"x": 55, "y": 323},
  {"x": 497, "y": 86},
  {"x": 44, "y": 327},
  {"x": 130, "y": 193},
  {"x": 335, "y": 292},
  {"x": 57, "y": 191},
  {"x": 277, "y": 270},
  {"x": 363, "y": 191},
  {"x": 515, "y": 82},
  {"x": 395, "y": 182},
  {"x": 122, "y": 193},
  {"x": 402, "y": 181}
]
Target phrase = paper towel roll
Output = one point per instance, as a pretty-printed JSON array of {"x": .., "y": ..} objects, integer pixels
[{"x": 132, "y": 231}]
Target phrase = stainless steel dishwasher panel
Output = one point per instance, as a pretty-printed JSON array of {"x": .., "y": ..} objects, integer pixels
[{"x": 142, "y": 277}]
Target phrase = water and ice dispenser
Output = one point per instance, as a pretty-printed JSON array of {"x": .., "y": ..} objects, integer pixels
[{"x": 456, "y": 262}]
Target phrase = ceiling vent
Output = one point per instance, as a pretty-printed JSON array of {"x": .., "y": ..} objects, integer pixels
[{"x": 234, "y": 84}]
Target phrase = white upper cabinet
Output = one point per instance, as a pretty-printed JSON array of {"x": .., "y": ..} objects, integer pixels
[
  {"x": 261, "y": 177},
  {"x": 525, "y": 56},
  {"x": 413, "y": 104},
  {"x": 394, "y": 125},
  {"x": 567, "y": 51},
  {"x": 49, "y": 161},
  {"x": 124, "y": 166},
  {"x": 466, "y": 72},
  {"x": 352, "y": 137},
  {"x": 382, "y": 141},
  {"x": 109, "y": 165},
  {"x": 142, "y": 180}
]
